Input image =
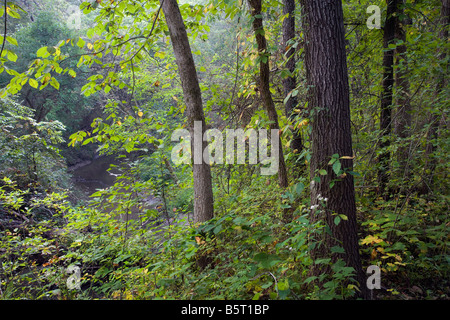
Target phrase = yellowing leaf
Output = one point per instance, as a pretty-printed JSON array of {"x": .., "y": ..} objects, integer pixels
[
  {"x": 46, "y": 79},
  {"x": 199, "y": 240},
  {"x": 303, "y": 123},
  {"x": 140, "y": 113},
  {"x": 371, "y": 240},
  {"x": 156, "y": 84},
  {"x": 160, "y": 54},
  {"x": 373, "y": 255}
]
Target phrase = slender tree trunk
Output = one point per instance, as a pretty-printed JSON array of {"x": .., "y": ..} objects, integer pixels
[
  {"x": 203, "y": 195},
  {"x": 386, "y": 95},
  {"x": 264, "y": 83},
  {"x": 290, "y": 82},
  {"x": 431, "y": 161},
  {"x": 328, "y": 97},
  {"x": 402, "y": 121}
]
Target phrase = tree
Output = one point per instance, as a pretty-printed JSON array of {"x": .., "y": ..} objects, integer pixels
[
  {"x": 402, "y": 121},
  {"x": 386, "y": 94},
  {"x": 264, "y": 83},
  {"x": 329, "y": 102},
  {"x": 65, "y": 104},
  {"x": 203, "y": 195},
  {"x": 432, "y": 135},
  {"x": 290, "y": 83}
]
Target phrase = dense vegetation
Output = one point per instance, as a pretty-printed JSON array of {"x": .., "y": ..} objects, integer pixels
[{"x": 115, "y": 85}]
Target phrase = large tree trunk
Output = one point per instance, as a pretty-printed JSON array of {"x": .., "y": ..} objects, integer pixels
[
  {"x": 386, "y": 95},
  {"x": 203, "y": 195},
  {"x": 290, "y": 83},
  {"x": 264, "y": 84},
  {"x": 431, "y": 160},
  {"x": 328, "y": 97}
]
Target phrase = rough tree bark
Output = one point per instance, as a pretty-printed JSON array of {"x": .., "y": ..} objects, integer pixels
[
  {"x": 264, "y": 83},
  {"x": 203, "y": 195},
  {"x": 386, "y": 94},
  {"x": 290, "y": 82},
  {"x": 329, "y": 102}
]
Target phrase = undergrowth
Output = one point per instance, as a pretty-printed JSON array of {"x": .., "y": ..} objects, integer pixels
[{"x": 247, "y": 251}]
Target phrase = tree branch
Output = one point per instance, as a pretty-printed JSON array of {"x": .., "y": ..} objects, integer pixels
[{"x": 5, "y": 30}]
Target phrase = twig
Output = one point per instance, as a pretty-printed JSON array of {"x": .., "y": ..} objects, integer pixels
[
  {"x": 4, "y": 34},
  {"x": 21, "y": 216},
  {"x": 151, "y": 31},
  {"x": 271, "y": 274},
  {"x": 122, "y": 43}
]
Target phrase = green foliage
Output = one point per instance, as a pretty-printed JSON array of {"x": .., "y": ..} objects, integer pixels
[
  {"x": 135, "y": 238},
  {"x": 30, "y": 154},
  {"x": 408, "y": 235}
]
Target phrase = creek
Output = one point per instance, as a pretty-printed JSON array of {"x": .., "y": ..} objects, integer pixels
[
  {"x": 88, "y": 176},
  {"x": 91, "y": 175}
]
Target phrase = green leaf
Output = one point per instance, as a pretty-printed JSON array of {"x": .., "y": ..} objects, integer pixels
[
  {"x": 13, "y": 14},
  {"x": 12, "y": 40},
  {"x": 72, "y": 73},
  {"x": 256, "y": 296},
  {"x": 81, "y": 43},
  {"x": 12, "y": 56},
  {"x": 217, "y": 229},
  {"x": 283, "y": 289},
  {"x": 90, "y": 33},
  {"x": 283, "y": 285},
  {"x": 309, "y": 279},
  {"x": 33, "y": 83},
  {"x": 87, "y": 141},
  {"x": 323, "y": 172},
  {"x": 54, "y": 83},
  {"x": 42, "y": 53},
  {"x": 266, "y": 260},
  {"x": 392, "y": 46},
  {"x": 337, "y": 167},
  {"x": 294, "y": 92},
  {"x": 337, "y": 249},
  {"x": 337, "y": 220},
  {"x": 299, "y": 188},
  {"x": 323, "y": 261}
]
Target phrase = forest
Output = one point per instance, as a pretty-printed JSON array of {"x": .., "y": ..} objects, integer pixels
[{"x": 224, "y": 150}]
